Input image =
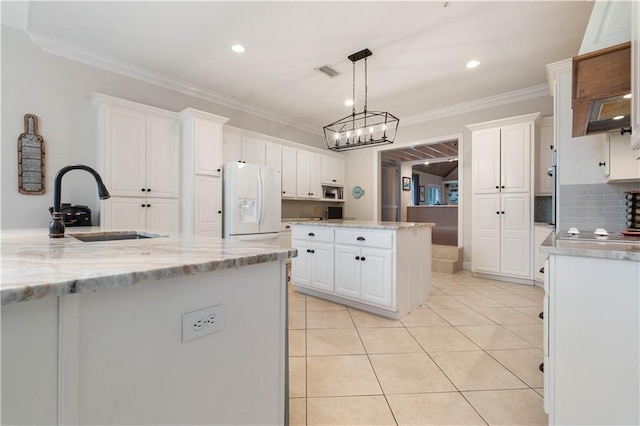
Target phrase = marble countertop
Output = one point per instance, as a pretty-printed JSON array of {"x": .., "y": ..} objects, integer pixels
[
  {"x": 36, "y": 266},
  {"x": 369, "y": 224},
  {"x": 597, "y": 249}
]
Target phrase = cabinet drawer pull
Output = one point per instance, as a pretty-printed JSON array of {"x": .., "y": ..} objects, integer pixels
[
  {"x": 602, "y": 163},
  {"x": 542, "y": 270},
  {"x": 311, "y": 234},
  {"x": 362, "y": 258},
  {"x": 360, "y": 238},
  {"x": 357, "y": 257}
]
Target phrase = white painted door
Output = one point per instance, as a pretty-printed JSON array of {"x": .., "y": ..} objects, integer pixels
[
  {"x": 253, "y": 151},
  {"x": 289, "y": 172},
  {"x": 163, "y": 157},
  {"x": 231, "y": 148},
  {"x": 322, "y": 266},
  {"x": 208, "y": 148},
  {"x": 208, "y": 206},
  {"x": 515, "y": 158},
  {"x": 347, "y": 271},
  {"x": 163, "y": 215},
  {"x": 125, "y": 152},
  {"x": 315, "y": 184},
  {"x": 273, "y": 156},
  {"x": 302, "y": 174},
  {"x": 122, "y": 213},
  {"x": 486, "y": 233},
  {"x": 377, "y": 277},
  {"x": 486, "y": 161},
  {"x": 301, "y": 264},
  {"x": 515, "y": 232}
]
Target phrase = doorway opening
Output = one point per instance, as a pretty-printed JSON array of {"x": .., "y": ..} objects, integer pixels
[{"x": 434, "y": 193}]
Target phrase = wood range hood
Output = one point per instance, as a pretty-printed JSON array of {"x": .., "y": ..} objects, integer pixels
[{"x": 601, "y": 79}]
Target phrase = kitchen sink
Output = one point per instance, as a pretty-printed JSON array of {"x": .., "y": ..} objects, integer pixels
[{"x": 90, "y": 237}]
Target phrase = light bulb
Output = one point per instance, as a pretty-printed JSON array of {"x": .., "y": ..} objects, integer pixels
[
  {"x": 238, "y": 48},
  {"x": 371, "y": 130},
  {"x": 426, "y": 162},
  {"x": 359, "y": 132},
  {"x": 337, "y": 136},
  {"x": 618, "y": 117},
  {"x": 627, "y": 96}
]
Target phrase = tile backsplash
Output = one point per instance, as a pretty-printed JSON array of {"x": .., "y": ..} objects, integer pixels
[
  {"x": 591, "y": 206},
  {"x": 299, "y": 209}
]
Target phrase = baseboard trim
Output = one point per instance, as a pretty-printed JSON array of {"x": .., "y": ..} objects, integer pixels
[{"x": 503, "y": 278}]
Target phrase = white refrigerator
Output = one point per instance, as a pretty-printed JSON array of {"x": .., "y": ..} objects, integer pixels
[{"x": 251, "y": 202}]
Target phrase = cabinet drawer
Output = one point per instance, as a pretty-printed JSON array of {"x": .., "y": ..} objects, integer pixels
[
  {"x": 364, "y": 238},
  {"x": 312, "y": 233}
]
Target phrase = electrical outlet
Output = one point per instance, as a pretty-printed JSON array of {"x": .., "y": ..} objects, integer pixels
[{"x": 202, "y": 322}]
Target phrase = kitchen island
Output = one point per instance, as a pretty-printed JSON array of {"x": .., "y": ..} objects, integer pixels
[
  {"x": 93, "y": 332},
  {"x": 380, "y": 267},
  {"x": 591, "y": 332}
]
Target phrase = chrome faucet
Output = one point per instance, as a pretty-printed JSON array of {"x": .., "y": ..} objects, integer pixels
[{"x": 56, "y": 226}]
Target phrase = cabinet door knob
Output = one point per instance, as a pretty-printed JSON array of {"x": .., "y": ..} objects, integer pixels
[
  {"x": 313, "y": 251},
  {"x": 219, "y": 211},
  {"x": 148, "y": 205},
  {"x": 311, "y": 234},
  {"x": 217, "y": 170},
  {"x": 501, "y": 212},
  {"x": 497, "y": 212},
  {"x": 357, "y": 257},
  {"x": 360, "y": 238},
  {"x": 148, "y": 189},
  {"x": 497, "y": 187},
  {"x": 333, "y": 180},
  {"x": 308, "y": 250},
  {"x": 284, "y": 192},
  {"x": 602, "y": 163},
  {"x": 362, "y": 258},
  {"x": 542, "y": 270},
  {"x": 141, "y": 205},
  {"x": 502, "y": 187},
  {"x": 142, "y": 189}
]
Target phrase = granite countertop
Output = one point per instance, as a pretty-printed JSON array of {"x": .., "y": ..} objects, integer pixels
[
  {"x": 597, "y": 249},
  {"x": 36, "y": 266},
  {"x": 369, "y": 224}
]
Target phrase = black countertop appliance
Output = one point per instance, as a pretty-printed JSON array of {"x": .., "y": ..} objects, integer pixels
[{"x": 74, "y": 215}]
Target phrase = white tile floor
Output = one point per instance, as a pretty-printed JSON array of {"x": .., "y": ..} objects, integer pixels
[{"x": 470, "y": 355}]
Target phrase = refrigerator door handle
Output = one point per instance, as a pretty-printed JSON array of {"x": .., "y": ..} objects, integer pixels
[{"x": 260, "y": 198}]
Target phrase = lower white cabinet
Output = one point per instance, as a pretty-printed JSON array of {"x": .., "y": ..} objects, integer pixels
[
  {"x": 384, "y": 271},
  {"x": 207, "y": 212},
  {"x": 157, "y": 214},
  {"x": 540, "y": 234}
]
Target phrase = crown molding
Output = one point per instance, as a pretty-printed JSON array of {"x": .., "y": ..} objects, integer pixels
[
  {"x": 555, "y": 69},
  {"x": 533, "y": 92},
  {"x": 85, "y": 56}
]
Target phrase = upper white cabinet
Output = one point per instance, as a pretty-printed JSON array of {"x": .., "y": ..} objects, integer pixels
[
  {"x": 289, "y": 172},
  {"x": 635, "y": 75},
  {"x": 139, "y": 160},
  {"x": 618, "y": 163},
  {"x": 237, "y": 148},
  {"x": 139, "y": 148},
  {"x": 332, "y": 171},
  {"x": 202, "y": 165},
  {"x": 502, "y": 193},
  {"x": 544, "y": 150},
  {"x": 273, "y": 156},
  {"x": 308, "y": 175}
]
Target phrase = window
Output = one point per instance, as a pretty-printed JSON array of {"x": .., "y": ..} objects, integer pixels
[{"x": 433, "y": 197}]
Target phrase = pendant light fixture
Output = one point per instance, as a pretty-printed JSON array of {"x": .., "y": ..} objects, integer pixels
[{"x": 362, "y": 129}]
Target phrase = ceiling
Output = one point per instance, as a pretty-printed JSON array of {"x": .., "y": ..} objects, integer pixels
[
  {"x": 419, "y": 49},
  {"x": 447, "y": 150}
]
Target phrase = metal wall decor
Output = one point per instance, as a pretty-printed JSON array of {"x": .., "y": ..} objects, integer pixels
[
  {"x": 361, "y": 129},
  {"x": 31, "y": 177}
]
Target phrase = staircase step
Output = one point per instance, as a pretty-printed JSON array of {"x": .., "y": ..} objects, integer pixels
[
  {"x": 446, "y": 252},
  {"x": 446, "y": 265}
]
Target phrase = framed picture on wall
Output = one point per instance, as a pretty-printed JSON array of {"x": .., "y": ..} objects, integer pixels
[
  {"x": 406, "y": 184},
  {"x": 422, "y": 199}
]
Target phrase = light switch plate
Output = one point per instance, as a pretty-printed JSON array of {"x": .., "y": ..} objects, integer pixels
[{"x": 202, "y": 322}]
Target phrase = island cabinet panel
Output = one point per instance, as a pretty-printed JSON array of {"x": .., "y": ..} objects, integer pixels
[
  {"x": 314, "y": 265},
  {"x": 383, "y": 271}
]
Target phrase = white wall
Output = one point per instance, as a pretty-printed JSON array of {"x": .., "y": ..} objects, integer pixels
[
  {"x": 363, "y": 164},
  {"x": 57, "y": 90},
  {"x": 426, "y": 179}
]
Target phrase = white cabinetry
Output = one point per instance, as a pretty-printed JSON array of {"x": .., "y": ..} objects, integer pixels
[
  {"x": 502, "y": 209},
  {"x": 592, "y": 324},
  {"x": 332, "y": 171},
  {"x": 544, "y": 150},
  {"x": 384, "y": 271},
  {"x": 289, "y": 172},
  {"x": 540, "y": 234},
  {"x": 313, "y": 267},
  {"x": 202, "y": 172},
  {"x": 308, "y": 175},
  {"x": 139, "y": 160},
  {"x": 619, "y": 162},
  {"x": 635, "y": 75},
  {"x": 244, "y": 149},
  {"x": 273, "y": 156}
]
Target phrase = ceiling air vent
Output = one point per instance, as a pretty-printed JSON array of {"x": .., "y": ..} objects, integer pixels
[{"x": 328, "y": 71}]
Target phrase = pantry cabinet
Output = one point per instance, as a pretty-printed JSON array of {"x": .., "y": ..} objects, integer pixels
[
  {"x": 139, "y": 161},
  {"x": 332, "y": 171},
  {"x": 202, "y": 164},
  {"x": 502, "y": 194}
]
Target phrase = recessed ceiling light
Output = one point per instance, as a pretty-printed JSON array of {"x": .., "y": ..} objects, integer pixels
[
  {"x": 426, "y": 162},
  {"x": 472, "y": 64},
  {"x": 627, "y": 96},
  {"x": 618, "y": 117},
  {"x": 238, "y": 48},
  {"x": 348, "y": 102}
]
